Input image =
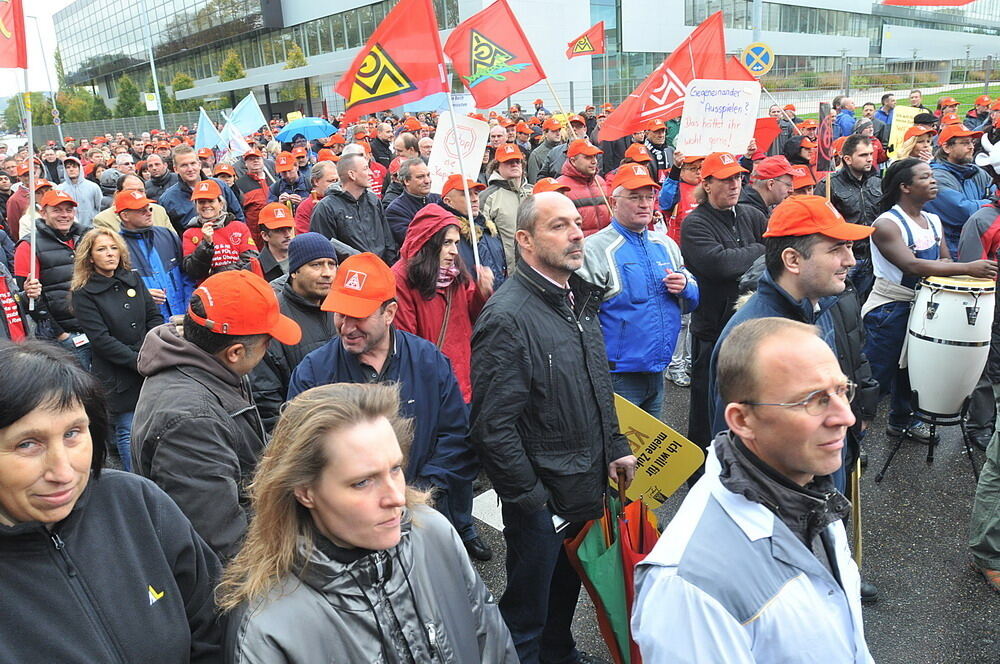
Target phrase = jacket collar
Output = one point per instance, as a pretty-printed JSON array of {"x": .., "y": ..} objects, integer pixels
[
  {"x": 768, "y": 288},
  {"x": 551, "y": 293},
  {"x": 98, "y": 283}
]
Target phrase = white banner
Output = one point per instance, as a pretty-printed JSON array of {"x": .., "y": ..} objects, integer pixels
[
  {"x": 471, "y": 135},
  {"x": 150, "y": 98},
  {"x": 719, "y": 116}
]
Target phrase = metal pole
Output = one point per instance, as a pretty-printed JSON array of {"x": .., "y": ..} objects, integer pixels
[
  {"x": 152, "y": 64},
  {"x": 989, "y": 72},
  {"x": 757, "y": 17},
  {"x": 48, "y": 80},
  {"x": 33, "y": 233},
  {"x": 607, "y": 94}
]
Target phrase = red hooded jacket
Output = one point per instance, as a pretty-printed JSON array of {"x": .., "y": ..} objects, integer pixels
[
  {"x": 585, "y": 192},
  {"x": 426, "y": 318}
]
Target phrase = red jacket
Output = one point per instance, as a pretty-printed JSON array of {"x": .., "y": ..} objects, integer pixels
[
  {"x": 303, "y": 214},
  {"x": 585, "y": 192}
]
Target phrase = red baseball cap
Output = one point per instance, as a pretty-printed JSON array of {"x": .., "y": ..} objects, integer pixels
[
  {"x": 918, "y": 130},
  {"x": 455, "y": 182},
  {"x": 772, "y": 167},
  {"x": 549, "y": 184},
  {"x": 412, "y": 124},
  {"x": 363, "y": 282},
  {"x": 336, "y": 139},
  {"x": 838, "y": 145},
  {"x": 957, "y": 131},
  {"x": 224, "y": 168},
  {"x": 807, "y": 143},
  {"x": 238, "y": 302},
  {"x": 577, "y": 119},
  {"x": 42, "y": 182},
  {"x": 950, "y": 119},
  {"x": 808, "y": 124},
  {"x": 508, "y": 152},
  {"x": 206, "y": 190},
  {"x": 537, "y": 101},
  {"x": 522, "y": 128},
  {"x": 654, "y": 125},
  {"x": 284, "y": 162},
  {"x": 721, "y": 165},
  {"x": 806, "y": 215},
  {"x": 981, "y": 100},
  {"x": 253, "y": 152},
  {"x": 275, "y": 215},
  {"x": 638, "y": 152},
  {"x": 552, "y": 124},
  {"x": 130, "y": 200},
  {"x": 789, "y": 107},
  {"x": 205, "y": 153},
  {"x": 55, "y": 197},
  {"x": 947, "y": 101},
  {"x": 633, "y": 176},
  {"x": 582, "y": 146}
]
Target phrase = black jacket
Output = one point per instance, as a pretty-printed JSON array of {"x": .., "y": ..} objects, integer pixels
[
  {"x": 55, "y": 271},
  {"x": 543, "y": 414},
  {"x": 391, "y": 192},
  {"x": 156, "y": 186},
  {"x": 855, "y": 199},
  {"x": 269, "y": 265},
  {"x": 124, "y": 576},
  {"x": 272, "y": 376},
  {"x": 115, "y": 313},
  {"x": 401, "y": 211},
  {"x": 357, "y": 222},
  {"x": 751, "y": 197},
  {"x": 381, "y": 151},
  {"x": 718, "y": 247},
  {"x": 197, "y": 434}
]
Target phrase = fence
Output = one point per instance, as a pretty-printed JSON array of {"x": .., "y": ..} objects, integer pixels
[{"x": 136, "y": 125}]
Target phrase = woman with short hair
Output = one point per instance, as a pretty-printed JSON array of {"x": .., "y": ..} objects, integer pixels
[{"x": 342, "y": 561}]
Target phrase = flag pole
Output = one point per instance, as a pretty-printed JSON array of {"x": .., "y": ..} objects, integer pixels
[
  {"x": 266, "y": 172},
  {"x": 783, "y": 112},
  {"x": 465, "y": 185},
  {"x": 33, "y": 213}
]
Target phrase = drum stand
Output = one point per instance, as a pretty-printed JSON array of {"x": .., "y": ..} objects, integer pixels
[{"x": 934, "y": 420}]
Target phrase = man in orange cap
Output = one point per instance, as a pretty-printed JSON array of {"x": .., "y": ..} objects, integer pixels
[
  {"x": 963, "y": 187},
  {"x": 659, "y": 147},
  {"x": 554, "y": 160},
  {"x": 277, "y": 228},
  {"x": 540, "y": 106},
  {"x": 803, "y": 182},
  {"x": 719, "y": 240},
  {"x": 552, "y": 137},
  {"x": 506, "y": 189},
  {"x": 549, "y": 184},
  {"x": 215, "y": 240},
  {"x": 196, "y": 432},
  {"x": 628, "y": 305},
  {"x": 587, "y": 188},
  {"x": 977, "y": 119},
  {"x": 290, "y": 188},
  {"x": 491, "y": 253},
  {"x": 946, "y": 105},
  {"x": 770, "y": 183},
  {"x": 522, "y": 137}
]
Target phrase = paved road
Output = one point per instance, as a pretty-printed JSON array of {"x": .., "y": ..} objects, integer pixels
[{"x": 932, "y": 608}]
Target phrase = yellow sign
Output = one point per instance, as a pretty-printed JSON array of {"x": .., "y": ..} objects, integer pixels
[
  {"x": 378, "y": 77},
  {"x": 583, "y": 45},
  {"x": 665, "y": 458},
  {"x": 758, "y": 58},
  {"x": 294, "y": 115},
  {"x": 902, "y": 119}
]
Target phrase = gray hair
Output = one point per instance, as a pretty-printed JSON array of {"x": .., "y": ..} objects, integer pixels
[
  {"x": 319, "y": 170},
  {"x": 407, "y": 166},
  {"x": 353, "y": 148},
  {"x": 526, "y": 215},
  {"x": 348, "y": 163}
]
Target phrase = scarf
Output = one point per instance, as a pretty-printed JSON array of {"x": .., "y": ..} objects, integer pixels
[{"x": 446, "y": 275}]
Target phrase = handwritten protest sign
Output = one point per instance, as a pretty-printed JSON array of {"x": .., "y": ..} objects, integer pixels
[
  {"x": 445, "y": 159},
  {"x": 902, "y": 119},
  {"x": 719, "y": 116}
]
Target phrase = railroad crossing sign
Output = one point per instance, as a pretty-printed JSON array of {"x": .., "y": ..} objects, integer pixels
[{"x": 758, "y": 58}]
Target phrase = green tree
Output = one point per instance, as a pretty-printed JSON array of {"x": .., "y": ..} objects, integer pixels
[
  {"x": 232, "y": 67},
  {"x": 12, "y": 115},
  {"x": 75, "y": 104},
  {"x": 130, "y": 102},
  {"x": 60, "y": 71},
  {"x": 183, "y": 81},
  {"x": 99, "y": 109},
  {"x": 296, "y": 58}
]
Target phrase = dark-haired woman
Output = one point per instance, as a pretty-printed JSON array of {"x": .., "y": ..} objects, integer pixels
[
  {"x": 95, "y": 565},
  {"x": 439, "y": 301},
  {"x": 908, "y": 244}
]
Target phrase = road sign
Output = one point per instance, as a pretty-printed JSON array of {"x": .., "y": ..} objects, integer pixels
[
  {"x": 55, "y": 112},
  {"x": 758, "y": 58},
  {"x": 150, "y": 99},
  {"x": 56, "y": 120}
]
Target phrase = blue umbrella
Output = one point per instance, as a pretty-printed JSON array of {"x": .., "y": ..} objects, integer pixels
[{"x": 309, "y": 127}]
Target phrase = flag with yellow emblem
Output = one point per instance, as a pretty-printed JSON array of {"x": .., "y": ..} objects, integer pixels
[
  {"x": 13, "y": 48},
  {"x": 589, "y": 43}
]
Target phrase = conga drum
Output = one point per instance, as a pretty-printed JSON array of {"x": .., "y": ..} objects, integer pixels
[{"x": 948, "y": 342}]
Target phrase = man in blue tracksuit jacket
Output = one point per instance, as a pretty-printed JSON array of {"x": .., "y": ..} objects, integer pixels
[
  {"x": 963, "y": 187},
  {"x": 646, "y": 290}
]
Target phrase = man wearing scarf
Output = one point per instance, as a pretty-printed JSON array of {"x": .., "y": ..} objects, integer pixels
[{"x": 755, "y": 567}]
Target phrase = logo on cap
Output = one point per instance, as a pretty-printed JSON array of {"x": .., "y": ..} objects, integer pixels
[
  {"x": 279, "y": 213},
  {"x": 136, "y": 195},
  {"x": 355, "y": 280},
  {"x": 639, "y": 170},
  {"x": 726, "y": 159},
  {"x": 202, "y": 186}
]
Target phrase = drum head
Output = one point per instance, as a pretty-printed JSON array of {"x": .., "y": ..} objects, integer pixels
[{"x": 959, "y": 284}]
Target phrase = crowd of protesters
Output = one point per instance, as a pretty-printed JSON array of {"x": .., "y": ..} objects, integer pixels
[{"x": 303, "y": 360}]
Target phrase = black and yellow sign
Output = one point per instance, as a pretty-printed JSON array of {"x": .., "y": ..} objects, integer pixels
[{"x": 379, "y": 77}]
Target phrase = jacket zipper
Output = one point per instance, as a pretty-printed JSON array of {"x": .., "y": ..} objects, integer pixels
[{"x": 80, "y": 591}]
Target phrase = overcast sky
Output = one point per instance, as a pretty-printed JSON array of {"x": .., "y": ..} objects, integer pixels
[{"x": 40, "y": 55}]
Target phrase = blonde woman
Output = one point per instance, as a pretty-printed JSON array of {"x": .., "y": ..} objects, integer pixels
[
  {"x": 115, "y": 311},
  {"x": 918, "y": 142},
  {"x": 342, "y": 561}
]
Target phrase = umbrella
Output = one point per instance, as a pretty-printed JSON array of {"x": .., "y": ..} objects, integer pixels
[{"x": 309, "y": 127}]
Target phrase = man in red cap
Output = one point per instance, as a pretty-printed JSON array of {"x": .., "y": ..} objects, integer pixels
[
  {"x": 978, "y": 117},
  {"x": 963, "y": 187},
  {"x": 487, "y": 237},
  {"x": 628, "y": 304},
  {"x": 719, "y": 240},
  {"x": 215, "y": 241},
  {"x": 552, "y": 137},
  {"x": 277, "y": 228},
  {"x": 587, "y": 188},
  {"x": 770, "y": 183},
  {"x": 506, "y": 189},
  {"x": 196, "y": 431}
]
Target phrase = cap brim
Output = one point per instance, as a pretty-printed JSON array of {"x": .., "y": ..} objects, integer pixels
[
  {"x": 727, "y": 171},
  {"x": 286, "y": 331},
  {"x": 848, "y": 232},
  {"x": 349, "y": 305}
]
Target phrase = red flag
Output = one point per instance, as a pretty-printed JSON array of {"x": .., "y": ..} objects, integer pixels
[
  {"x": 13, "y": 48},
  {"x": 401, "y": 62},
  {"x": 661, "y": 95},
  {"x": 589, "y": 43},
  {"x": 927, "y": 3},
  {"x": 736, "y": 71},
  {"x": 492, "y": 56},
  {"x": 765, "y": 131}
]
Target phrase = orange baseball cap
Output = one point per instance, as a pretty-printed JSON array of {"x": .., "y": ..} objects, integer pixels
[
  {"x": 721, "y": 165},
  {"x": 807, "y": 143},
  {"x": 224, "y": 169},
  {"x": 995, "y": 106},
  {"x": 537, "y": 101},
  {"x": 808, "y": 124},
  {"x": 253, "y": 152},
  {"x": 504, "y": 122},
  {"x": 950, "y": 119},
  {"x": 130, "y": 200},
  {"x": 552, "y": 125},
  {"x": 238, "y": 302},
  {"x": 638, "y": 152},
  {"x": 918, "y": 130},
  {"x": 275, "y": 215},
  {"x": 577, "y": 119},
  {"x": 534, "y": 121},
  {"x": 455, "y": 182},
  {"x": 806, "y": 215},
  {"x": 582, "y": 146},
  {"x": 957, "y": 131},
  {"x": 205, "y": 153},
  {"x": 654, "y": 125},
  {"x": 549, "y": 184},
  {"x": 326, "y": 154},
  {"x": 22, "y": 168},
  {"x": 772, "y": 167},
  {"x": 789, "y": 107},
  {"x": 838, "y": 145},
  {"x": 42, "y": 182},
  {"x": 981, "y": 100},
  {"x": 633, "y": 176},
  {"x": 412, "y": 124},
  {"x": 206, "y": 190},
  {"x": 802, "y": 177},
  {"x": 362, "y": 284},
  {"x": 947, "y": 101},
  {"x": 55, "y": 197},
  {"x": 522, "y": 128},
  {"x": 508, "y": 152},
  {"x": 336, "y": 139},
  {"x": 299, "y": 152},
  {"x": 284, "y": 162}
]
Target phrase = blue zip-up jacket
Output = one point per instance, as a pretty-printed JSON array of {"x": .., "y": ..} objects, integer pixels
[
  {"x": 282, "y": 186},
  {"x": 962, "y": 190},
  {"x": 156, "y": 256},
  {"x": 176, "y": 199},
  {"x": 429, "y": 393},
  {"x": 843, "y": 124},
  {"x": 639, "y": 318}
]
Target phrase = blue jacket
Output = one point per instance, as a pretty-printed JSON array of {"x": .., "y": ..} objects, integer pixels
[
  {"x": 176, "y": 199},
  {"x": 429, "y": 394},
  {"x": 282, "y": 186},
  {"x": 962, "y": 190},
  {"x": 639, "y": 318},
  {"x": 401, "y": 211},
  {"x": 156, "y": 256},
  {"x": 843, "y": 124},
  {"x": 885, "y": 117}
]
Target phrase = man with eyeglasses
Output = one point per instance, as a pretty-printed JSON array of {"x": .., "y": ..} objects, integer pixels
[
  {"x": 755, "y": 566},
  {"x": 770, "y": 183},
  {"x": 645, "y": 290},
  {"x": 963, "y": 187}
]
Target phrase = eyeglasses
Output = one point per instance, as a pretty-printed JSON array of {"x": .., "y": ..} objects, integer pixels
[
  {"x": 962, "y": 141},
  {"x": 815, "y": 403},
  {"x": 634, "y": 198}
]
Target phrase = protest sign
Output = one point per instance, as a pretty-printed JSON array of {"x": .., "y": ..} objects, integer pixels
[
  {"x": 471, "y": 135},
  {"x": 902, "y": 119},
  {"x": 719, "y": 116}
]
